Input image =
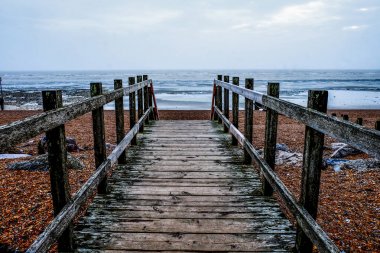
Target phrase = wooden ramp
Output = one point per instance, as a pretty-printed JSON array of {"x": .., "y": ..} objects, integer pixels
[{"x": 184, "y": 189}]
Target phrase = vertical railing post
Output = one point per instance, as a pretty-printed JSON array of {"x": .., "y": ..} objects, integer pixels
[
  {"x": 377, "y": 125},
  {"x": 151, "y": 114},
  {"x": 57, "y": 157},
  {"x": 359, "y": 121},
  {"x": 119, "y": 118},
  {"x": 248, "y": 126},
  {"x": 99, "y": 135},
  {"x": 311, "y": 169},
  {"x": 146, "y": 98},
  {"x": 140, "y": 103},
  {"x": 132, "y": 108},
  {"x": 226, "y": 102},
  {"x": 271, "y": 123},
  {"x": 219, "y": 97},
  {"x": 235, "y": 109}
]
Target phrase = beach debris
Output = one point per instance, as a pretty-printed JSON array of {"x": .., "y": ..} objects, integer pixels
[
  {"x": 282, "y": 147},
  {"x": 358, "y": 164},
  {"x": 110, "y": 146},
  {"x": 71, "y": 145},
  {"x": 361, "y": 164},
  {"x": 335, "y": 163},
  {"x": 40, "y": 163},
  {"x": 343, "y": 150},
  {"x": 13, "y": 156},
  {"x": 285, "y": 156}
]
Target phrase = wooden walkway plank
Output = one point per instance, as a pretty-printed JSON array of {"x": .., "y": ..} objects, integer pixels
[{"x": 184, "y": 188}]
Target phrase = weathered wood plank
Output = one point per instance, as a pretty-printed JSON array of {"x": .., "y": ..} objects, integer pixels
[
  {"x": 201, "y": 226},
  {"x": 201, "y": 242},
  {"x": 265, "y": 213},
  {"x": 210, "y": 199},
  {"x": 195, "y": 175}
]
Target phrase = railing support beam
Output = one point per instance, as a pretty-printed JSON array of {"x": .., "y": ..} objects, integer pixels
[
  {"x": 226, "y": 102},
  {"x": 248, "y": 127},
  {"x": 57, "y": 157},
  {"x": 235, "y": 109},
  {"x": 140, "y": 103},
  {"x": 119, "y": 118},
  {"x": 219, "y": 97},
  {"x": 132, "y": 108},
  {"x": 146, "y": 98},
  {"x": 311, "y": 169},
  {"x": 271, "y": 123},
  {"x": 99, "y": 135}
]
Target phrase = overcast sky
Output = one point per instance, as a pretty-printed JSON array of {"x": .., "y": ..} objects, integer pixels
[{"x": 193, "y": 34}]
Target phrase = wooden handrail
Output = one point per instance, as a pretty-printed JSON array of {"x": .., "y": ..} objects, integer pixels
[
  {"x": 22, "y": 130},
  {"x": 367, "y": 140},
  {"x": 52, "y": 122},
  {"x": 304, "y": 219},
  {"x": 60, "y": 222}
]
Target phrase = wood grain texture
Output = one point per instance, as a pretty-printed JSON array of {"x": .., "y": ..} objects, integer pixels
[
  {"x": 309, "y": 226},
  {"x": 22, "y": 130},
  {"x": 67, "y": 214},
  {"x": 57, "y": 158},
  {"x": 271, "y": 123},
  {"x": 365, "y": 139},
  {"x": 175, "y": 197}
]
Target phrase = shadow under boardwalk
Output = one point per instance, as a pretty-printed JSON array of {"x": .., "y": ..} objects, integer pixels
[{"x": 184, "y": 189}]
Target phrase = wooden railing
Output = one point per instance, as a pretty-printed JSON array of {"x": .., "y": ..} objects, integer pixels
[
  {"x": 52, "y": 122},
  {"x": 317, "y": 122}
]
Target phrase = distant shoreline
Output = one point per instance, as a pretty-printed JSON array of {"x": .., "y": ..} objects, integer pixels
[{"x": 32, "y": 100}]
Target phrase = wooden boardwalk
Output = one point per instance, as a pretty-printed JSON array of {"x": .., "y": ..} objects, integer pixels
[{"x": 184, "y": 189}]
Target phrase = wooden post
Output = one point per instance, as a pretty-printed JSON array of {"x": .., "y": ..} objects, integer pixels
[
  {"x": 334, "y": 114},
  {"x": 345, "y": 117},
  {"x": 57, "y": 157},
  {"x": 377, "y": 125},
  {"x": 359, "y": 121},
  {"x": 150, "y": 94},
  {"x": 271, "y": 123},
  {"x": 146, "y": 98},
  {"x": 311, "y": 169},
  {"x": 219, "y": 97},
  {"x": 140, "y": 103},
  {"x": 235, "y": 109},
  {"x": 132, "y": 108},
  {"x": 254, "y": 103},
  {"x": 99, "y": 135},
  {"x": 226, "y": 102},
  {"x": 248, "y": 127},
  {"x": 119, "y": 116}
]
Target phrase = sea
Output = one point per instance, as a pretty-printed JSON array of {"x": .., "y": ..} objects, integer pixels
[{"x": 192, "y": 89}]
